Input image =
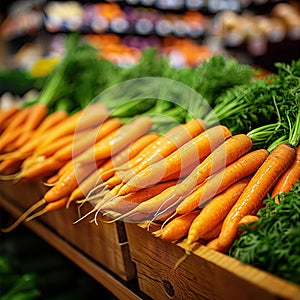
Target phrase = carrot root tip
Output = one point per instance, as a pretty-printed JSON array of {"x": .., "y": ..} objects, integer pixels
[{"x": 24, "y": 216}]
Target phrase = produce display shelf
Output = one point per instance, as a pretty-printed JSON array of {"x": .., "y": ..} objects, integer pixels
[
  {"x": 120, "y": 287},
  {"x": 128, "y": 260},
  {"x": 164, "y": 272}
]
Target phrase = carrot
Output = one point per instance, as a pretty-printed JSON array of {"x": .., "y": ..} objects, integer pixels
[
  {"x": 246, "y": 220},
  {"x": 179, "y": 174},
  {"x": 51, "y": 180},
  {"x": 133, "y": 150},
  {"x": 193, "y": 151},
  {"x": 28, "y": 148},
  {"x": 6, "y": 114},
  {"x": 215, "y": 211},
  {"x": 226, "y": 153},
  {"x": 151, "y": 207},
  {"x": 278, "y": 161},
  {"x": 67, "y": 167},
  {"x": 121, "y": 139},
  {"x": 213, "y": 233},
  {"x": 183, "y": 173},
  {"x": 163, "y": 146},
  {"x": 241, "y": 168},
  {"x": 39, "y": 170},
  {"x": 83, "y": 119},
  {"x": 9, "y": 167},
  {"x": 127, "y": 202},
  {"x": 156, "y": 151},
  {"x": 86, "y": 138},
  {"x": 107, "y": 170},
  {"x": 215, "y": 245},
  {"x": 85, "y": 186},
  {"x": 177, "y": 228},
  {"x": 19, "y": 118},
  {"x": 52, "y": 206},
  {"x": 289, "y": 178},
  {"x": 112, "y": 181},
  {"x": 23, "y": 138},
  {"x": 7, "y": 139},
  {"x": 26, "y": 216},
  {"x": 92, "y": 115},
  {"x": 37, "y": 113},
  {"x": 69, "y": 181},
  {"x": 51, "y": 120},
  {"x": 16, "y": 128},
  {"x": 56, "y": 145}
]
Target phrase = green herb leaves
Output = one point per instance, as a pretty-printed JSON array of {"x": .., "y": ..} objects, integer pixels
[{"x": 273, "y": 242}]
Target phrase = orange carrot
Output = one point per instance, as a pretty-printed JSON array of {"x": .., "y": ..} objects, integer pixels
[
  {"x": 15, "y": 129},
  {"x": 193, "y": 151},
  {"x": 213, "y": 233},
  {"x": 51, "y": 120},
  {"x": 226, "y": 153},
  {"x": 215, "y": 245},
  {"x": 278, "y": 161},
  {"x": 215, "y": 211},
  {"x": 91, "y": 116},
  {"x": 7, "y": 139},
  {"x": 107, "y": 170},
  {"x": 289, "y": 178},
  {"x": 39, "y": 170},
  {"x": 151, "y": 207},
  {"x": 6, "y": 114},
  {"x": 246, "y": 220},
  {"x": 28, "y": 148},
  {"x": 127, "y": 202},
  {"x": 86, "y": 138},
  {"x": 183, "y": 173},
  {"x": 56, "y": 145},
  {"x": 23, "y": 138},
  {"x": 163, "y": 146},
  {"x": 52, "y": 206},
  {"x": 19, "y": 118},
  {"x": 26, "y": 216},
  {"x": 69, "y": 181},
  {"x": 121, "y": 139},
  {"x": 10, "y": 167},
  {"x": 241, "y": 168},
  {"x": 37, "y": 113},
  {"x": 67, "y": 167},
  {"x": 83, "y": 119},
  {"x": 85, "y": 186},
  {"x": 134, "y": 149},
  {"x": 178, "y": 228}
]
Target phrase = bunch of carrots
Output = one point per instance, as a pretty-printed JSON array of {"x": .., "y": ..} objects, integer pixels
[{"x": 197, "y": 182}]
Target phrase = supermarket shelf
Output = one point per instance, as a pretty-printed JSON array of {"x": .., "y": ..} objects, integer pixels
[{"x": 122, "y": 290}]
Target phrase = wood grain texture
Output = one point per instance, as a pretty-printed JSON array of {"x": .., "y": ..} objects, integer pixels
[
  {"x": 105, "y": 243},
  {"x": 204, "y": 274}
]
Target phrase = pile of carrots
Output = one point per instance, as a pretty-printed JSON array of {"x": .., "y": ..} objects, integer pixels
[{"x": 196, "y": 182}]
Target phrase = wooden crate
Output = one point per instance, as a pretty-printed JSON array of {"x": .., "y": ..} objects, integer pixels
[
  {"x": 105, "y": 243},
  {"x": 204, "y": 274}
]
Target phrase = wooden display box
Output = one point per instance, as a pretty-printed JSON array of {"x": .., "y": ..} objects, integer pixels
[
  {"x": 204, "y": 274},
  {"x": 104, "y": 243}
]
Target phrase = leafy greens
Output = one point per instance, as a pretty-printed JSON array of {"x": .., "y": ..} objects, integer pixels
[{"x": 273, "y": 242}]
